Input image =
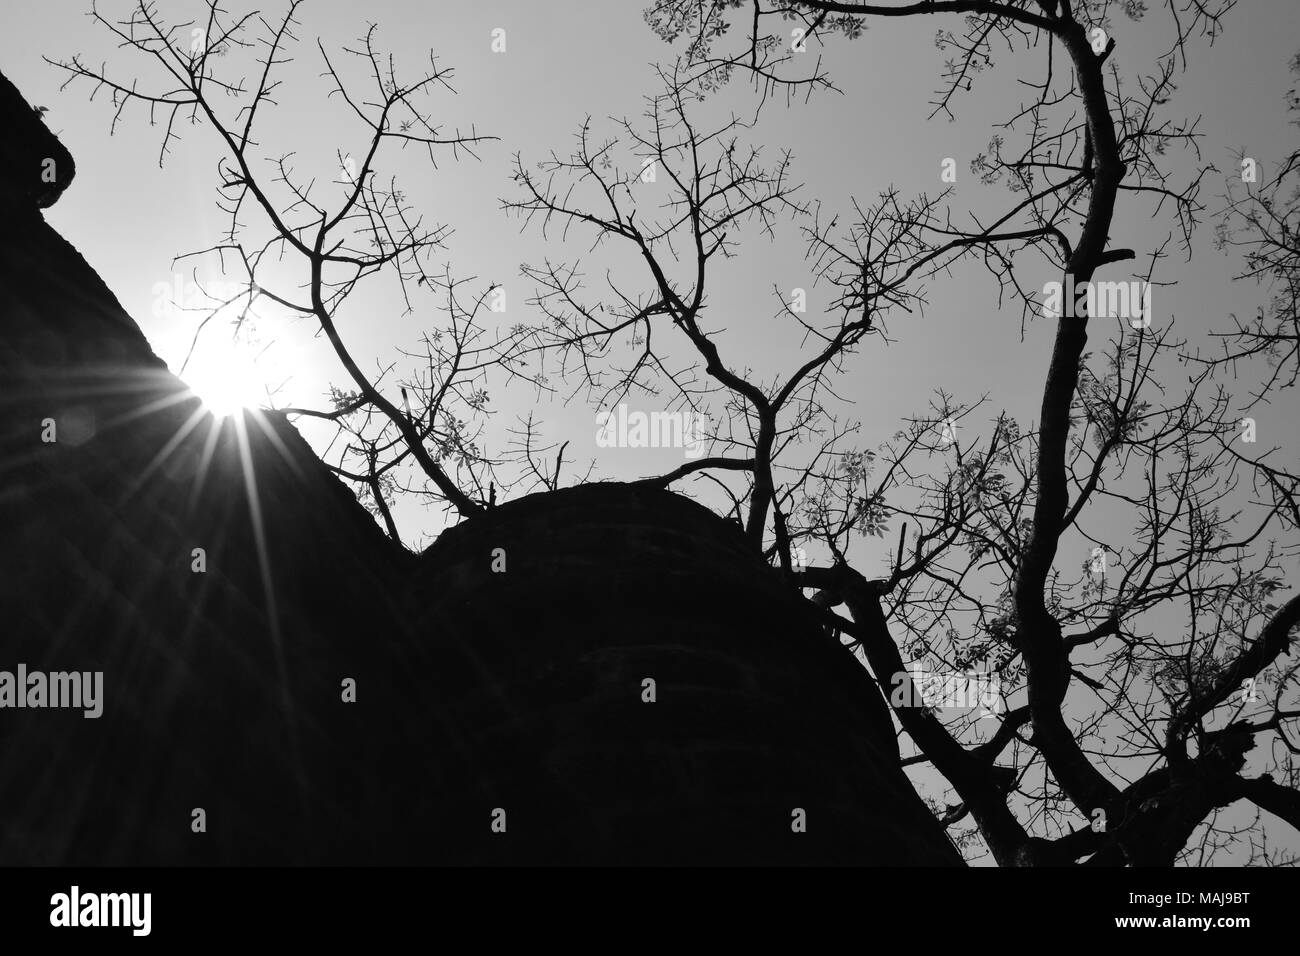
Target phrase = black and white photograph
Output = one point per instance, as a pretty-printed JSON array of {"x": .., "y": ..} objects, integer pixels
[{"x": 450, "y": 443}]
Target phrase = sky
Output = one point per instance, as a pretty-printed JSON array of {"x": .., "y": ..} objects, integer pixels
[
  {"x": 562, "y": 64},
  {"x": 565, "y": 61}
]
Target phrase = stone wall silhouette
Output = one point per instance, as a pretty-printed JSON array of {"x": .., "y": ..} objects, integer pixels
[{"x": 477, "y": 689}]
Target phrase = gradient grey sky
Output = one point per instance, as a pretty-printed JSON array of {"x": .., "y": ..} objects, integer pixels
[{"x": 565, "y": 61}]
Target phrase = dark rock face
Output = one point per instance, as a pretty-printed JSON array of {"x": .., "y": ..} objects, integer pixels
[
  {"x": 216, "y": 695},
  {"x": 541, "y": 671},
  {"x": 521, "y": 690},
  {"x": 37, "y": 167}
]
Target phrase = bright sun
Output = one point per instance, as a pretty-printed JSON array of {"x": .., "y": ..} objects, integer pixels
[{"x": 228, "y": 377}]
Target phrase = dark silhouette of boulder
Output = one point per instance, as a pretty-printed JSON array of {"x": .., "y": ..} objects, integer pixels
[{"x": 542, "y": 672}]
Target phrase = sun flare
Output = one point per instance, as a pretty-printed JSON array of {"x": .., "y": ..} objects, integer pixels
[{"x": 228, "y": 377}]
